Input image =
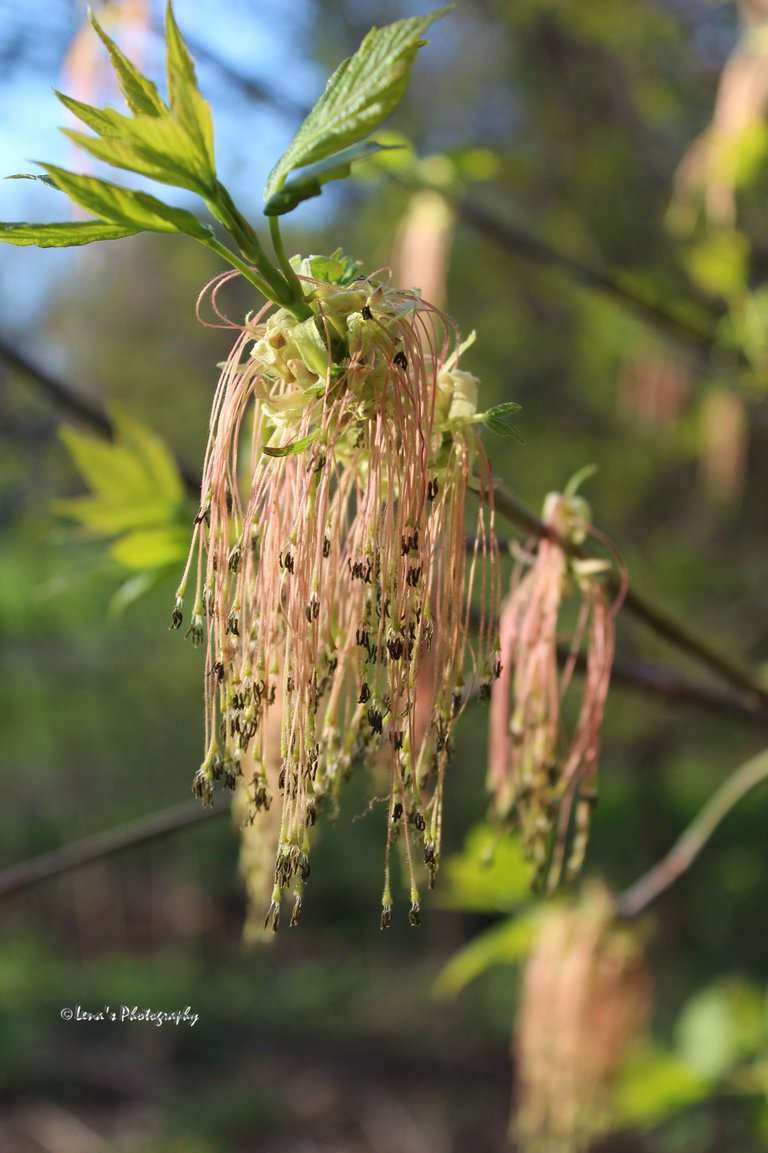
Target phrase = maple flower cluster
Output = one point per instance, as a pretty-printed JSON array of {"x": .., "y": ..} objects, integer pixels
[
  {"x": 538, "y": 771},
  {"x": 330, "y": 565}
]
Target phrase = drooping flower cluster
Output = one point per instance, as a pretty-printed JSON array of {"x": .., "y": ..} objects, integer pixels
[
  {"x": 585, "y": 1000},
  {"x": 331, "y": 566},
  {"x": 538, "y": 773}
]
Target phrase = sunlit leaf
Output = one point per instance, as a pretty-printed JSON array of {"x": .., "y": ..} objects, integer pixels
[
  {"x": 188, "y": 106},
  {"x": 360, "y": 94},
  {"x": 506, "y": 943},
  {"x": 65, "y": 235},
  {"x": 489, "y": 875},
  {"x": 126, "y": 206},
  {"x": 140, "y": 94},
  {"x": 150, "y": 146},
  {"x": 722, "y": 1025},
  {"x": 653, "y": 1085},
  {"x": 151, "y": 547},
  {"x": 134, "y": 482}
]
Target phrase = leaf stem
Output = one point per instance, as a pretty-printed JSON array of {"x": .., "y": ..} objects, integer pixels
[
  {"x": 285, "y": 264},
  {"x": 248, "y": 271},
  {"x": 687, "y": 848},
  {"x": 223, "y": 207}
]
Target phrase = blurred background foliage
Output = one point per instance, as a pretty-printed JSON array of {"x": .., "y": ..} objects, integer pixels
[{"x": 590, "y": 197}]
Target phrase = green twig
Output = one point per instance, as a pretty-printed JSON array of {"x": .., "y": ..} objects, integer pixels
[
  {"x": 285, "y": 264},
  {"x": 685, "y": 851}
]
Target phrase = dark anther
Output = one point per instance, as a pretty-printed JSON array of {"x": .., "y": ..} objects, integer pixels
[
  {"x": 202, "y": 789},
  {"x": 281, "y": 779},
  {"x": 326, "y": 547},
  {"x": 414, "y": 915},
  {"x": 261, "y": 796},
  {"x": 414, "y": 575},
  {"x": 395, "y": 648},
  {"x": 407, "y": 543},
  {"x": 228, "y": 500},
  {"x": 296, "y": 914},
  {"x": 234, "y": 559},
  {"x": 497, "y": 667},
  {"x": 361, "y": 638},
  {"x": 419, "y": 822},
  {"x": 396, "y": 738},
  {"x": 273, "y": 915},
  {"x": 397, "y": 812},
  {"x": 271, "y": 695},
  {"x": 376, "y": 719},
  {"x": 233, "y": 625},
  {"x": 365, "y": 693},
  {"x": 218, "y": 670},
  {"x": 176, "y": 618},
  {"x": 289, "y": 685},
  {"x": 287, "y": 562},
  {"x": 204, "y": 515},
  {"x": 311, "y": 812},
  {"x": 305, "y": 869},
  {"x": 400, "y": 360},
  {"x": 366, "y": 313},
  {"x": 456, "y": 702},
  {"x": 386, "y": 916},
  {"x": 432, "y": 489}
]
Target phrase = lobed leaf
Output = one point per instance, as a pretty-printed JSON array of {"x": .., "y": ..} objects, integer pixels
[
  {"x": 152, "y": 146},
  {"x": 134, "y": 481},
  {"x": 497, "y": 420},
  {"x": 188, "y": 106},
  {"x": 126, "y": 206},
  {"x": 140, "y": 93},
  {"x": 151, "y": 548},
  {"x": 360, "y": 94}
]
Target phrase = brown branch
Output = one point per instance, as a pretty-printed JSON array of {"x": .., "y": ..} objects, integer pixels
[
  {"x": 650, "y": 679},
  {"x": 18, "y": 878},
  {"x": 522, "y": 243},
  {"x": 663, "y": 684}
]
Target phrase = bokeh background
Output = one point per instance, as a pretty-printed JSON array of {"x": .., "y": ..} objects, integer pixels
[{"x": 590, "y": 197}]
